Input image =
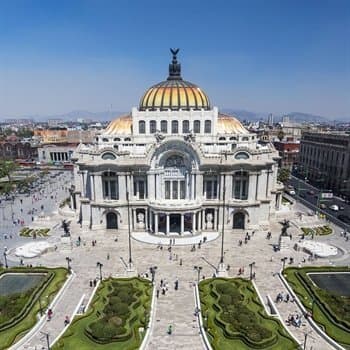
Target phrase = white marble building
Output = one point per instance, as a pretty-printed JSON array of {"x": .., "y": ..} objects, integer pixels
[{"x": 175, "y": 166}]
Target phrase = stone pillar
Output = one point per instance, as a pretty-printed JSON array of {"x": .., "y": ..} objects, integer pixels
[
  {"x": 215, "y": 219},
  {"x": 203, "y": 219},
  {"x": 156, "y": 222},
  {"x": 150, "y": 186},
  {"x": 98, "y": 188},
  {"x": 182, "y": 224},
  {"x": 134, "y": 219},
  {"x": 146, "y": 218},
  {"x": 151, "y": 220},
  {"x": 122, "y": 187},
  {"x": 167, "y": 224},
  {"x": 252, "y": 186},
  {"x": 193, "y": 223},
  {"x": 92, "y": 185},
  {"x": 199, "y": 189}
]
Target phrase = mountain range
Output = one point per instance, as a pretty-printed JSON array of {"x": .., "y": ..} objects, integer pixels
[{"x": 298, "y": 117}]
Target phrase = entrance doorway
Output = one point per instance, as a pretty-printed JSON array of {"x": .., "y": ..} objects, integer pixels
[
  {"x": 238, "y": 220},
  {"x": 112, "y": 220},
  {"x": 175, "y": 223}
]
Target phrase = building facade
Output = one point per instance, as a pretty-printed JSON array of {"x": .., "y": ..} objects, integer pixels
[
  {"x": 288, "y": 150},
  {"x": 175, "y": 165},
  {"x": 12, "y": 148},
  {"x": 325, "y": 159}
]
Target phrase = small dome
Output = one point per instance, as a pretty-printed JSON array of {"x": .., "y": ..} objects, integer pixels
[
  {"x": 120, "y": 126},
  {"x": 174, "y": 93},
  {"x": 230, "y": 125}
]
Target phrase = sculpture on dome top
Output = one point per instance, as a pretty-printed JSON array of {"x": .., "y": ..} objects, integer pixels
[{"x": 174, "y": 67}]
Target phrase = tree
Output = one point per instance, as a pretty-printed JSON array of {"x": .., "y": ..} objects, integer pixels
[
  {"x": 283, "y": 175},
  {"x": 6, "y": 168}
]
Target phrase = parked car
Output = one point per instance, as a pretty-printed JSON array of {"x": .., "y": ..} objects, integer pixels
[
  {"x": 323, "y": 206},
  {"x": 344, "y": 218},
  {"x": 310, "y": 192},
  {"x": 334, "y": 207}
]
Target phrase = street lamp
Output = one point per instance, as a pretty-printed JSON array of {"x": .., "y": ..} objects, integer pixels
[
  {"x": 198, "y": 269},
  {"x": 284, "y": 262},
  {"x": 47, "y": 339},
  {"x": 69, "y": 260},
  {"x": 129, "y": 226},
  {"x": 251, "y": 269},
  {"x": 99, "y": 265},
  {"x": 5, "y": 258}
]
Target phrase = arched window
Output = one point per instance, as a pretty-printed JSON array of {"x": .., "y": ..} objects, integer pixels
[
  {"x": 185, "y": 127},
  {"x": 152, "y": 126},
  {"x": 142, "y": 127},
  {"x": 164, "y": 126},
  {"x": 240, "y": 185},
  {"x": 207, "y": 126},
  {"x": 108, "y": 156},
  {"x": 241, "y": 155},
  {"x": 127, "y": 139},
  {"x": 174, "y": 127},
  {"x": 105, "y": 139},
  {"x": 196, "y": 126},
  {"x": 222, "y": 138},
  {"x": 116, "y": 139}
]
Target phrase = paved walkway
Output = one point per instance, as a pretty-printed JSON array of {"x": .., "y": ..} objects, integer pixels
[{"x": 176, "y": 307}]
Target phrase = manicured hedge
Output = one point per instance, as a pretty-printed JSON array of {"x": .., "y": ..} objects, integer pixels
[
  {"x": 235, "y": 319},
  {"x": 119, "y": 310},
  {"x": 331, "y": 312}
]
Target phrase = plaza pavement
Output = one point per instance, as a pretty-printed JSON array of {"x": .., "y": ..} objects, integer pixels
[{"x": 177, "y": 307}]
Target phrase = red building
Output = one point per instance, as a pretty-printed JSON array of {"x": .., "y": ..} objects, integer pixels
[{"x": 289, "y": 152}]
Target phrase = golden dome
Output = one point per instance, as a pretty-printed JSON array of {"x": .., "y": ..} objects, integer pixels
[
  {"x": 230, "y": 125},
  {"x": 120, "y": 126},
  {"x": 174, "y": 93}
]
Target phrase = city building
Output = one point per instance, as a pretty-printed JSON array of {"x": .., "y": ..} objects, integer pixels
[
  {"x": 288, "y": 150},
  {"x": 52, "y": 153},
  {"x": 64, "y": 135},
  {"x": 325, "y": 159},
  {"x": 12, "y": 148},
  {"x": 175, "y": 165}
]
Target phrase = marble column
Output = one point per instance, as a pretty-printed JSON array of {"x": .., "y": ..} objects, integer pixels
[
  {"x": 193, "y": 223},
  {"x": 203, "y": 219},
  {"x": 167, "y": 224},
  {"x": 122, "y": 187},
  {"x": 199, "y": 190},
  {"x": 134, "y": 219},
  {"x": 182, "y": 224},
  {"x": 156, "y": 222},
  {"x": 98, "y": 187},
  {"x": 215, "y": 219},
  {"x": 92, "y": 186},
  {"x": 146, "y": 218}
]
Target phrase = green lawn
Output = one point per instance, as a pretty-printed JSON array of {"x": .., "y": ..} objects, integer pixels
[
  {"x": 116, "y": 319},
  {"x": 26, "y": 307},
  {"x": 37, "y": 232},
  {"x": 330, "y": 311},
  {"x": 235, "y": 319}
]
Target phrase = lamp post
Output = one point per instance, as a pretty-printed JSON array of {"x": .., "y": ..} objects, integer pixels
[
  {"x": 99, "y": 265},
  {"x": 198, "y": 269},
  {"x": 47, "y": 339},
  {"x": 251, "y": 269},
  {"x": 284, "y": 262},
  {"x": 69, "y": 260},
  {"x": 5, "y": 258}
]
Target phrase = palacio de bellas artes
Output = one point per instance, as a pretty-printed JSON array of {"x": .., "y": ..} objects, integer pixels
[{"x": 175, "y": 167}]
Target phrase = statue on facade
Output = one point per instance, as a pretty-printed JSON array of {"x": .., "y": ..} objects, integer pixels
[
  {"x": 285, "y": 226},
  {"x": 159, "y": 136},
  {"x": 209, "y": 223},
  {"x": 190, "y": 138},
  {"x": 141, "y": 220}
]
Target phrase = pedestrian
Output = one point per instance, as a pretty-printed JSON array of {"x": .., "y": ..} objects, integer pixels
[
  {"x": 95, "y": 282},
  {"x": 108, "y": 256},
  {"x": 90, "y": 282},
  {"x": 176, "y": 284},
  {"x": 49, "y": 314},
  {"x": 180, "y": 262},
  {"x": 157, "y": 293},
  {"x": 66, "y": 320},
  {"x": 170, "y": 329}
]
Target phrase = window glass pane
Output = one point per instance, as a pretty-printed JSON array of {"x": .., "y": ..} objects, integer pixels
[
  {"x": 196, "y": 126},
  {"x": 152, "y": 126},
  {"x": 164, "y": 126},
  {"x": 175, "y": 190},
  {"x": 237, "y": 188},
  {"x": 185, "y": 127},
  {"x": 105, "y": 189},
  {"x": 208, "y": 189},
  {"x": 215, "y": 189},
  {"x": 135, "y": 188},
  {"x": 167, "y": 189},
  {"x": 182, "y": 190},
  {"x": 174, "y": 127},
  {"x": 113, "y": 189},
  {"x": 207, "y": 127},
  {"x": 244, "y": 189},
  {"x": 142, "y": 127},
  {"x": 141, "y": 189}
]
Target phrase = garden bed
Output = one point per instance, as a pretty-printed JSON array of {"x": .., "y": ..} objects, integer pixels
[
  {"x": 19, "y": 310},
  {"x": 34, "y": 232},
  {"x": 234, "y": 318},
  {"x": 330, "y": 311},
  {"x": 117, "y": 318},
  {"x": 317, "y": 230}
]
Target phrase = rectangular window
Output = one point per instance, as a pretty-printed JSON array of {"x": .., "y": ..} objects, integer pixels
[
  {"x": 208, "y": 189},
  {"x": 167, "y": 189},
  {"x": 141, "y": 189},
  {"x": 105, "y": 189},
  {"x": 175, "y": 190},
  {"x": 182, "y": 190},
  {"x": 113, "y": 188},
  {"x": 237, "y": 189},
  {"x": 244, "y": 189},
  {"x": 215, "y": 189}
]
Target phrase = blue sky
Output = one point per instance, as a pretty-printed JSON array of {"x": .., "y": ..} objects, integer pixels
[{"x": 268, "y": 56}]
